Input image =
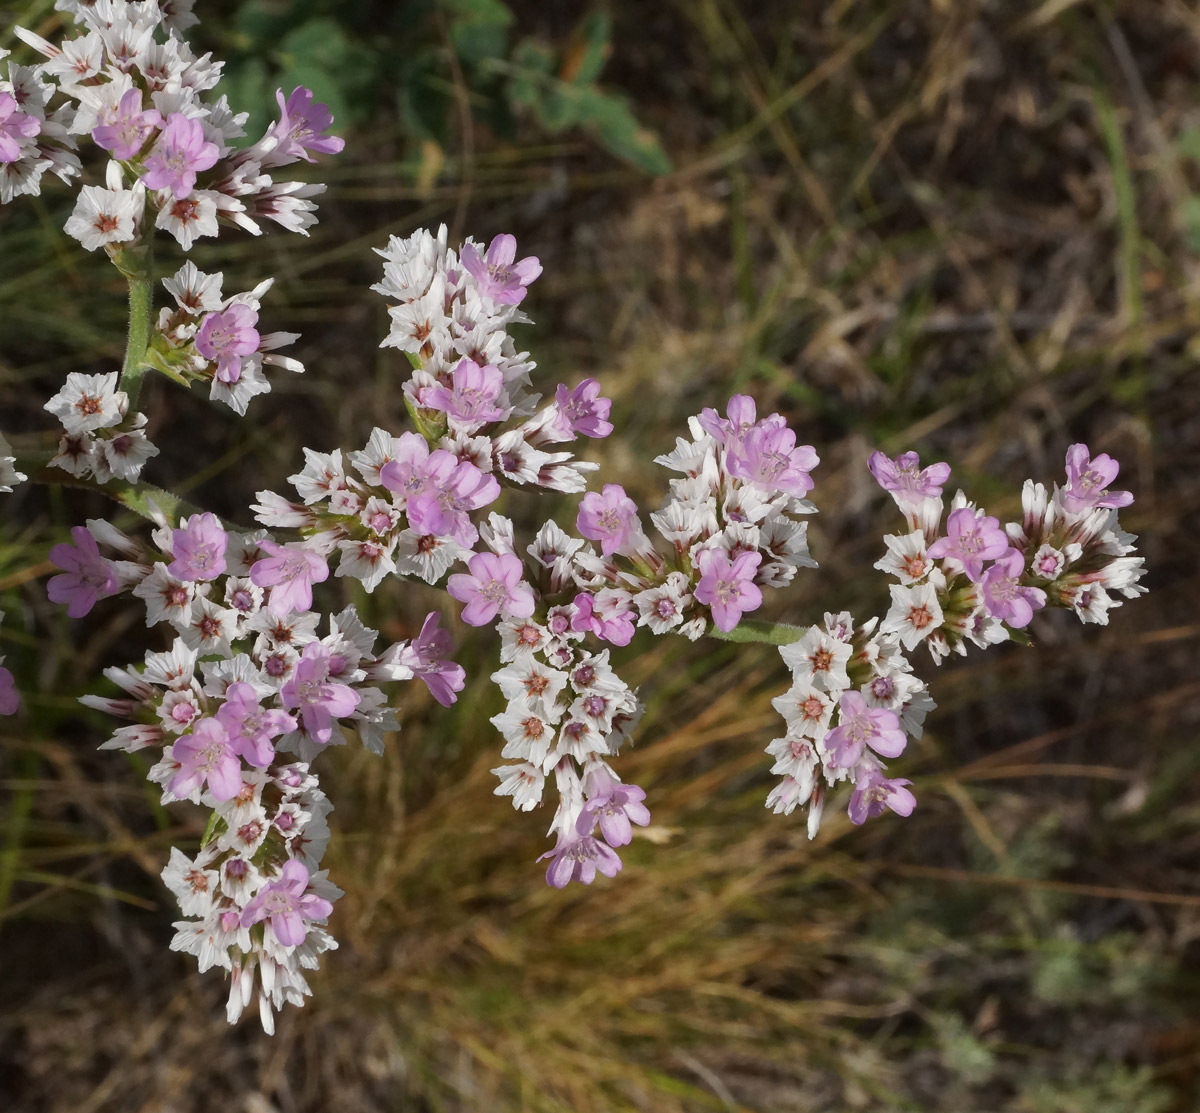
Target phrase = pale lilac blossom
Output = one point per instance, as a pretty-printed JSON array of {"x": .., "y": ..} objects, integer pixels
[
  {"x": 470, "y": 400},
  {"x": 499, "y": 277},
  {"x": 583, "y": 410},
  {"x": 860, "y": 726},
  {"x": 608, "y": 614},
  {"x": 290, "y": 572},
  {"x": 227, "y": 337},
  {"x": 87, "y": 576},
  {"x": 971, "y": 538},
  {"x": 768, "y": 458},
  {"x": 129, "y": 127},
  {"x": 614, "y": 806},
  {"x": 1088, "y": 481},
  {"x": 287, "y": 906},
  {"x": 180, "y": 153},
  {"x": 578, "y": 858},
  {"x": 318, "y": 699},
  {"x": 206, "y": 756},
  {"x": 251, "y": 728},
  {"x": 427, "y": 655},
  {"x": 905, "y": 478},
  {"x": 874, "y": 792},
  {"x": 492, "y": 586},
  {"x": 301, "y": 126},
  {"x": 611, "y": 518},
  {"x": 1003, "y": 594},
  {"x": 15, "y": 125},
  {"x": 198, "y": 547},
  {"x": 727, "y": 587}
]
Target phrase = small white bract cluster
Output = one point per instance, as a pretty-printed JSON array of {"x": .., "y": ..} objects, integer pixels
[
  {"x": 134, "y": 86},
  {"x": 100, "y": 439}
]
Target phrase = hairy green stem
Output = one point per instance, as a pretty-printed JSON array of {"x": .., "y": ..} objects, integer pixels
[
  {"x": 137, "y": 265},
  {"x": 761, "y": 633}
]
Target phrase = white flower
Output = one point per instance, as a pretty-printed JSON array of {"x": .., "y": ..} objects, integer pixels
[
  {"x": 88, "y": 402},
  {"x": 167, "y": 599},
  {"x": 820, "y": 659},
  {"x": 527, "y": 734},
  {"x": 906, "y": 557},
  {"x": 189, "y": 218},
  {"x": 123, "y": 455},
  {"x": 8, "y": 474},
  {"x": 367, "y": 561},
  {"x": 194, "y": 291},
  {"x": 915, "y": 614},
  {"x": 523, "y": 782},
  {"x": 538, "y": 685},
  {"x": 105, "y": 216},
  {"x": 194, "y": 887},
  {"x": 662, "y": 608}
]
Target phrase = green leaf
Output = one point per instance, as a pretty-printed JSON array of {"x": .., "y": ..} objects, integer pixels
[
  {"x": 613, "y": 121},
  {"x": 1191, "y": 221},
  {"x": 590, "y": 46},
  {"x": 532, "y": 67}
]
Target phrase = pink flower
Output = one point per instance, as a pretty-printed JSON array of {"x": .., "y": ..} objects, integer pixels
[
  {"x": 472, "y": 394},
  {"x": 971, "y": 538},
  {"x": 905, "y": 479},
  {"x": 180, "y": 153},
  {"x": 318, "y": 699},
  {"x": 1003, "y": 595},
  {"x": 607, "y": 614},
  {"x": 198, "y": 547},
  {"x": 228, "y": 336},
  {"x": 128, "y": 128},
  {"x": 874, "y": 792},
  {"x": 14, "y": 125},
  {"x": 768, "y": 459},
  {"x": 287, "y": 906},
  {"x": 494, "y": 586},
  {"x": 583, "y": 410},
  {"x": 861, "y": 726},
  {"x": 427, "y": 655},
  {"x": 726, "y": 587},
  {"x": 578, "y": 859},
  {"x": 438, "y": 489},
  {"x": 610, "y": 518},
  {"x": 88, "y": 576},
  {"x": 250, "y": 728},
  {"x": 498, "y": 276},
  {"x": 1088, "y": 481},
  {"x": 408, "y": 474},
  {"x": 290, "y": 571},
  {"x": 206, "y": 755},
  {"x": 729, "y": 432},
  {"x": 614, "y": 806},
  {"x": 10, "y": 701},
  {"x": 301, "y": 124}
]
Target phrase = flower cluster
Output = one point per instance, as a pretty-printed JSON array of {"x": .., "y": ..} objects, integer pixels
[
  {"x": 214, "y": 339},
  {"x": 130, "y": 83},
  {"x": 100, "y": 438},
  {"x": 974, "y": 584},
  {"x": 257, "y": 681},
  {"x": 979, "y": 581},
  {"x": 853, "y": 701},
  {"x": 236, "y": 710}
]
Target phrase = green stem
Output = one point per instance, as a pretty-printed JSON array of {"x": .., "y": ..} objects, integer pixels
[
  {"x": 761, "y": 633},
  {"x": 137, "y": 264}
]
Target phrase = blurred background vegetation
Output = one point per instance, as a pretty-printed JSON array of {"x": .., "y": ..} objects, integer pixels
[{"x": 965, "y": 226}]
